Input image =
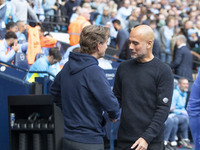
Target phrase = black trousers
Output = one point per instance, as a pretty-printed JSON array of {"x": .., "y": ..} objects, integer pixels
[{"x": 71, "y": 145}]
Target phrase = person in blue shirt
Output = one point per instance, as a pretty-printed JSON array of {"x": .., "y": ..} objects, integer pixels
[
  {"x": 179, "y": 111},
  {"x": 166, "y": 33},
  {"x": 9, "y": 16},
  {"x": 193, "y": 109},
  {"x": 83, "y": 92},
  {"x": 43, "y": 64},
  {"x": 9, "y": 47},
  {"x": 10, "y": 26},
  {"x": 21, "y": 38}
]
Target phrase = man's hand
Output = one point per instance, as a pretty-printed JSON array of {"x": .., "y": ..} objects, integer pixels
[
  {"x": 113, "y": 120},
  {"x": 15, "y": 47},
  {"x": 55, "y": 7},
  {"x": 141, "y": 144}
]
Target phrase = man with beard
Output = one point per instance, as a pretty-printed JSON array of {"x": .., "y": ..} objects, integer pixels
[
  {"x": 8, "y": 47},
  {"x": 178, "y": 109},
  {"x": 143, "y": 86}
]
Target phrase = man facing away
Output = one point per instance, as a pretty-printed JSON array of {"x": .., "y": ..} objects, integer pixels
[
  {"x": 182, "y": 63},
  {"x": 143, "y": 86},
  {"x": 83, "y": 93}
]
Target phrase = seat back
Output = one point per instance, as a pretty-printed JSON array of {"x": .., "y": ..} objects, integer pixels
[{"x": 21, "y": 60}]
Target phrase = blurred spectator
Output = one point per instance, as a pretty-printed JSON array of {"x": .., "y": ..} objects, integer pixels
[
  {"x": 69, "y": 5},
  {"x": 70, "y": 49},
  {"x": 43, "y": 64},
  {"x": 76, "y": 13},
  {"x": 77, "y": 26},
  {"x": 95, "y": 4},
  {"x": 166, "y": 33},
  {"x": 8, "y": 47},
  {"x": 21, "y": 9},
  {"x": 66, "y": 55},
  {"x": 93, "y": 14},
  {"x": 10, "y": 17},
  {"x": 11, "y": 26},
  {"x": 161, "y": 21},
  {"x": 101, "y": 6},
  {"x": 112, "y": 6},
  {"x": 104, "y": 18},
  {"x": 197, "y": 27},
  {"x": 153, "y": 25},
  {"x": 182, "y": 63},
  {"x": 133, "y": 19},
  {"x": 122, "y": 36},
  {"x": 49, "y": 7},
  {"x": 179, "y": 111},
  {"x": 187, "y": 25},
  {"x": 20, "y": 34},
  {"x": 193, "y": 38},
  {"x": 124, "y": 11},
  {"x": 2, "y": 18},
  {"x": 39, "y": 9}
]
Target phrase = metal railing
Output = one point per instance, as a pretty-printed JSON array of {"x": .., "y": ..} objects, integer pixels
[{"x": 26, "y": 70}]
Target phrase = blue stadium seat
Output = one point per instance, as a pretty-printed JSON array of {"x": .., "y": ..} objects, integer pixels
[{"x": 21, "y": 60}]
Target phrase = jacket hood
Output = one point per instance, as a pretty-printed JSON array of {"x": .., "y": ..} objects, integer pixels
[{"x": 80, "y": 61}]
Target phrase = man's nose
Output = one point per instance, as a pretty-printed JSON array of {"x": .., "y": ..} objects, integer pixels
[{"x": 131, "y": 46}]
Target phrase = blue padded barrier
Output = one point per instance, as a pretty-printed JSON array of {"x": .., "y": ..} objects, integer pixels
[
  {"x": 10, "y": 84},
  {"x": 110, "y": 127}
]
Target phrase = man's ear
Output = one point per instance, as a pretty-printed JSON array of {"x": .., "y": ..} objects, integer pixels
[
  {"x": 51, "y": 56},
  {"x": 98, "y": 46},
  {"x": 149, "y": 44}
]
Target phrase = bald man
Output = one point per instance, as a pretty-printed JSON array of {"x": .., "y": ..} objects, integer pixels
[{"x": 143, "y": 86}]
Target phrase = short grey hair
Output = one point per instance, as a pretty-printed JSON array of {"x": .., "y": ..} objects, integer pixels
[{"x": 181, "y": 38}]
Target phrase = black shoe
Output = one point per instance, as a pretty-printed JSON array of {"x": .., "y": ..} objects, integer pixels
[
  {"x": 168, "y": 147},
  {"x": 186, "y": 143}
]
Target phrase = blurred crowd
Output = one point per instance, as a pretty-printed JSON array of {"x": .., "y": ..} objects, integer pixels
[{"x": 176, "y": 26}]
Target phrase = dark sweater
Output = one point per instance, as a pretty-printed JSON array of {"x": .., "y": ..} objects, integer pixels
[
  {"x": 83, "y": 92},
  {"x": 144, "y": 91}
]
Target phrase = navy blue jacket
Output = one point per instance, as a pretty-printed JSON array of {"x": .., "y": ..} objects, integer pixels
[
  {"x": 83, "y": 92},
  {"x": 183, "y": 62}
]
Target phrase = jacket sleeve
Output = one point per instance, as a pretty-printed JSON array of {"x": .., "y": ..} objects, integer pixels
[
  {"x": 164, "y": 98},
  {"x": 100, "y": 88},
  {"x": 56, "y": 90},
  {"x": 8, "y": 57},
  {"x": 178, "y": 58}
]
